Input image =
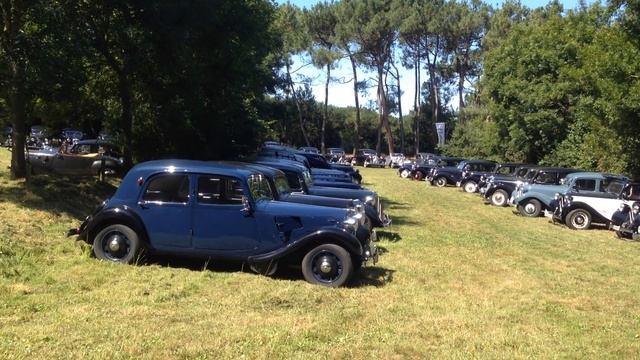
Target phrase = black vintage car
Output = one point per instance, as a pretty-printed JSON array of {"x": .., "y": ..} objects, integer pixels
[
  {"x": 84, "y": 158},
  {"x": 626, "y": 220},
  {"x": 368, "y": 158},
  {"x": 421, "y": 170},
  {"x": 497, "y": 188},
  {"x": 472, "y": 179},
  {"x": 448, "y": 175}
]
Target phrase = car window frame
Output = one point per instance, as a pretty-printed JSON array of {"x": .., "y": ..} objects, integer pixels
[
  {"x": 196, "y": 178},
  {"x": 153, "y": 177}
]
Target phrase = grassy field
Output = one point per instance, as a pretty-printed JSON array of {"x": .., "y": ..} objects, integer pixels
[{"x": 457, "y": 279}]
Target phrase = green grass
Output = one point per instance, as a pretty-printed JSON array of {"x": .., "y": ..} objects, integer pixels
[{"x": 457, "y": 279}]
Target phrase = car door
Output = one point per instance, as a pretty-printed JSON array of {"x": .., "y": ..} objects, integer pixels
[
  {"x": 593, "y": 192},
  {"x": 77, "y": 162},
  {"x": 220, "y": 224},
  {"x": 165, "y": 208}
]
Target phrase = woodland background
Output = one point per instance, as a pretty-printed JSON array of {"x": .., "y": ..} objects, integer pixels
[{"x": 213, "y": 79}]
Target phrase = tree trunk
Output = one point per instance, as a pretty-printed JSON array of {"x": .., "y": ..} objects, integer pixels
[
  {"x": 356, "y": 127},
  {"x": 126, "y": 116},
  {"x": 461, "y": 76},
  {"x": 416, "y": 104},
  {"x": 325, "y": 115},
  {"x": 295, "y": 101},
  {"x": 400, "y": 119},
  {"x": 384, "y": 112},
  {"x": 17, "y": 105}
]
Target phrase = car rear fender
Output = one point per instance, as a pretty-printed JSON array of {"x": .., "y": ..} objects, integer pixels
[
  {"x": 327, "y": 235},
  {"x": 596, "y": 217},
  {"x": 117, "y": 215}
]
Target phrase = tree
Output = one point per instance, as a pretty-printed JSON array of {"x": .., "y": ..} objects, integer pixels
[
  {"x": 321, "y": 22},
  {"x": 375, "y": 32},
  {"x": 289, "y": 25}
]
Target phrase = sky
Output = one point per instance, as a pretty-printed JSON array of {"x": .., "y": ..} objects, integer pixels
[{"x": 341, "y": 90}]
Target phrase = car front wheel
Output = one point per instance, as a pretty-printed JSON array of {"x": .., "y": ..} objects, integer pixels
[
  {"x": 327, "y": 265},
  {"x": 440, "y": 182},
  {"x": 117, "y": 243},
  {"x": 578, "y": 219},
  {"x": 530, "y": 208},
  {"x": 499, "y": 198},
  {"x": 470, "y": 187},
  {"x": 419, "y": 175},
  {"x": 405, "y": 173}
]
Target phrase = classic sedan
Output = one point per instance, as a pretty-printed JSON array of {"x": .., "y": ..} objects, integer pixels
[{"x": 84, "y": 158}]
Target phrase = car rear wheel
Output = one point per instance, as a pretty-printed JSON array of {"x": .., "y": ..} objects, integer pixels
[
  {"x": 578, "y": 219},
  {"x": 499, "y": 198},
  {"x": 405, "y": 173},
  {"x": 418, "y": 175},
  {"x": 440, "y": 181},
  {"x": 327, "y": 265},
  {"x": 530, "y": 208},
  {"x": 117, "y": 243},
  {"x": 470, "y": 186}
]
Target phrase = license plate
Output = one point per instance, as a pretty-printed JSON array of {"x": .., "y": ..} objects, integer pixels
[{"x": 615, "y": 227}]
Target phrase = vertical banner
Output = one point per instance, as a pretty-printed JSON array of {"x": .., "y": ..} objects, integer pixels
[{"x": 440, "y": 131}]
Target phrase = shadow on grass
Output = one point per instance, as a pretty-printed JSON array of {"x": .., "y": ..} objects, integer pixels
[
  {"x": 55, "y": 194},
  {"x": 390, "y": 204},
  {"x": 402, "y": 220},
  {"x": 388, "y": 236},
  {"x": 367, "y": 276}
]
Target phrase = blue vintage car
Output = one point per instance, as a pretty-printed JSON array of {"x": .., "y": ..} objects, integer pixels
[
  {"x": 222, "y": 211},
  {"x": 300, "y": 180}
]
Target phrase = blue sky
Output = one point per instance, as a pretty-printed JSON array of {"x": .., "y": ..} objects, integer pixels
[{"x": 341, "y": 90}]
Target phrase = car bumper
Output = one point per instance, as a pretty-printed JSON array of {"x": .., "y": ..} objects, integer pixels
[{"x": 370, "y": 251}]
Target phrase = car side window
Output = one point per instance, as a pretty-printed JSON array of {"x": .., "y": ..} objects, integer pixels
[
  {"x": 504, "y": 170},
  {"x": 219, "y": 190},
  {"x": 612, "y": 186},
  {"x": 546, "y": 178},
  {"x": 170, "y": 188},
  {"x": 585, "y": 184}
]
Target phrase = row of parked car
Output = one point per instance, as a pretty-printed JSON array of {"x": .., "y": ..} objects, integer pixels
[
  {"x": 282, "y": 206},
  {"x": 569, "y": 196}
]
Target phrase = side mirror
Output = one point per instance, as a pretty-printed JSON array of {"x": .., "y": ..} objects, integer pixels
[{"x": 247, "y": 208}]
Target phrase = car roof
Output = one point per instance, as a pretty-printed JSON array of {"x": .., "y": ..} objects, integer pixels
[
  {"x": 225, "y": 168},
  {"x": 592, "y": 174}
]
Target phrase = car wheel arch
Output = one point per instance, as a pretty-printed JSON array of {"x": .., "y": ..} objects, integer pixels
[{"x": 111, "y": 217}]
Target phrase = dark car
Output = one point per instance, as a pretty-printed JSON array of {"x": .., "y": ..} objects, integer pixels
[
  {"x": 309, "y": 149},
  {"x": 84, "y": 158},
  {"x": 312, "y": 161},
  {"x": 450, "y": 175},
  {"x": 7, "y": 139},
  {"x": 421, "y": 171},
  {"x": 301, "y": 181},
  {"x": 498, "y": 188},
  {"x": 626, "y": 220},
  {"x": 475, "y": 171},
  {"x": 223, "y": 212},
  {"x": 367, "y": 158}
]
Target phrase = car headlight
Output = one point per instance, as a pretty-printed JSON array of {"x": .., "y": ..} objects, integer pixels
[
  {"x": 369, "y": 199},
  {"x": 622, "y": 207},
  {"x": 556, "y": 196},
  {"x": 636, "y": 208}
]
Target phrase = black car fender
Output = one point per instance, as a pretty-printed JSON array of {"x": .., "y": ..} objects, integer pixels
[
  {"x": 372, "y": 214},
  {"x": 596, "y": 217},
  {"x": 123, "y": 215},
  {"x": 326, "y": 235}
]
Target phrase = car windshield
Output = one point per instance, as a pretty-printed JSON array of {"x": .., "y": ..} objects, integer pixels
[
  {"x": 259, "y": 187},
  {"x": 282, "y": 185}
]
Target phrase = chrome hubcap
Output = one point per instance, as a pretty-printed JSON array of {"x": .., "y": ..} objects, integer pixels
[
  {"x": 326, "y": 267},
  {"x": 498, "y": 199},
  {"x": 114, "y": 244},
  {"x": 529, "y": 208}
]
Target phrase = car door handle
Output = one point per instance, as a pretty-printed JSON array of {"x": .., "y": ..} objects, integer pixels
[{"x": 143, "y": 204}]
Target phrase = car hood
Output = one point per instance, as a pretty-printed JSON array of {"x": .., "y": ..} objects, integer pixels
[
  {"x": 341, "y": 193},
  {"x": 317, "y": 200}
]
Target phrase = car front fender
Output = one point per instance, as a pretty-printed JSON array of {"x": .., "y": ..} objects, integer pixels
[{"x": 332, "y": 235}]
